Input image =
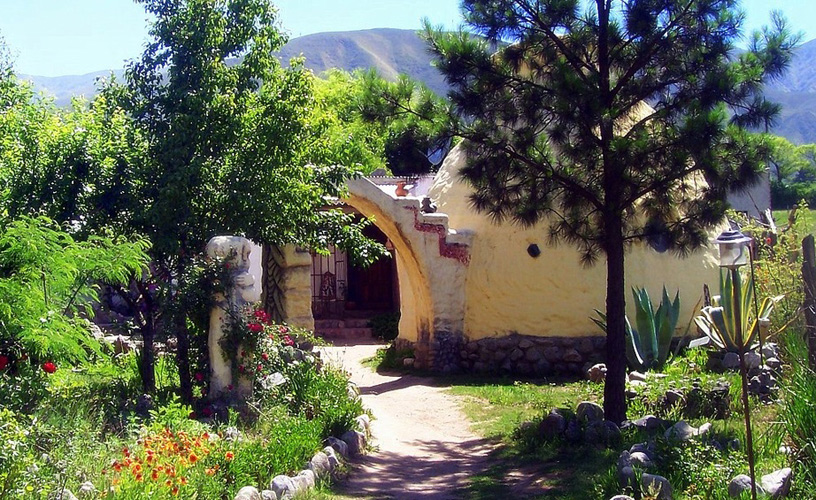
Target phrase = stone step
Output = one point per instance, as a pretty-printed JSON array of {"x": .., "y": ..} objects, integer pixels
[
  {"x": 355, "y": 322},
  {"x": 345, "y": 333},
  {"x": 323, "y": 324},
  {"x": 328, "y": 324}
]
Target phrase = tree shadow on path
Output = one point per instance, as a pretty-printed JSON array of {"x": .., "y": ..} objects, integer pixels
[{"x": 441, "y": 470}]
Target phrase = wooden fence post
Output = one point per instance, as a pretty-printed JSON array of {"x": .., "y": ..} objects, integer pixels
[{"x": 809, "y": 278}]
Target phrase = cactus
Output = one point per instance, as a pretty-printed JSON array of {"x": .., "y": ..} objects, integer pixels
[
  {"x": 719, "y": 321},
  {"x": 648, "y": 346}
]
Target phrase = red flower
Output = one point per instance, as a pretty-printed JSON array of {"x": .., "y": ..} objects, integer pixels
[
  {"x": 230, "y": 387},
  {"x": 262, "y": 316},
  {"x": 283, "y": 329},
  {"x": 4, "y": 361},
  {"x": 49, "y": 367},
  {"x": 287, "y": 340},
  {"x": 255, "y": 327},
  {"x": 241, "y": 368},
  {"x": 199, "y": 377},
  {"x": 265, "y": 357},
  {"x": 260, "y": 367}
]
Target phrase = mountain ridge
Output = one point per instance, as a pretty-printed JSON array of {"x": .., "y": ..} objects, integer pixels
[{"x": 393, "y": 51}]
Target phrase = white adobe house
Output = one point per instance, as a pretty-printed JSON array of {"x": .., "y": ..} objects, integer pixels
[{"x": 472, "y": 295}]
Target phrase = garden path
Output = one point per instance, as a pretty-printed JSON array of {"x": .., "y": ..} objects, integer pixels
[{"x": 424, "y": 448}]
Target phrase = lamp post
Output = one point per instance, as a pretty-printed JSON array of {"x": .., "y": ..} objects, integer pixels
[{"x": 734, "y": 253}]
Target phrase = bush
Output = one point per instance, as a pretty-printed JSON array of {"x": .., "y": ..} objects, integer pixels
[
  {"x": 284, "y": 445},
  {"x": 385, "y": 326},
  {"x": 320, "y": 395},
  {"x": 16, "y": 453}
]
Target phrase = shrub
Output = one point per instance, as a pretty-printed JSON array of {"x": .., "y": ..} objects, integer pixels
[
  {"x": 321, "y": 395},
  {"x": 16, "y": 453},
  {"x": 285, "y": 443},
  {"x": 385, "y": 326}
]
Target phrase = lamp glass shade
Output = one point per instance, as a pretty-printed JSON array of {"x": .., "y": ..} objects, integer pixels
[{"x": 733, "y": 249}]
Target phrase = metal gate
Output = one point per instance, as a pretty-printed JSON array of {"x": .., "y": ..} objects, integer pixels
[{"x": 329, "y": 284}]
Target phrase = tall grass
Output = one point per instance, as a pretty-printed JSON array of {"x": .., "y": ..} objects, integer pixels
[{"x": 797, "y": 413}]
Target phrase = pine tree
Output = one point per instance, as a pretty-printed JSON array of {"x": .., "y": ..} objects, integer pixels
[{"x": 599, "y": 118}]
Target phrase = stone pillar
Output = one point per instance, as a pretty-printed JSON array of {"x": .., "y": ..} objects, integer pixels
[
  {"x": 287, "y": 291},
  {"x": 235, "y": 251}
]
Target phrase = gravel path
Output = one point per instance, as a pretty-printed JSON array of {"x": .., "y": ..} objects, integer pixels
[{"x": 424, "y": 448}]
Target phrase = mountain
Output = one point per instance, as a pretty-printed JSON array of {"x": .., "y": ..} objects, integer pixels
[
  {"x": 390, "y": 51},
  {"x": 393, "y": 51}
]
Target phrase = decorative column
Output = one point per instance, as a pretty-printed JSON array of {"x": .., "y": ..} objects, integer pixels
[
  {"x": 287, "y": 291},
  {"x": 239, "y": 292}
]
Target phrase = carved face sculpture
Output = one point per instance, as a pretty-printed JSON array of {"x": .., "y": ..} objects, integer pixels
[{"x": 235, "y": 249}]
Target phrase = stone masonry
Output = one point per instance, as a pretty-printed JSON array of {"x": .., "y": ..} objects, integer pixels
[{"x": 511, "y": 355}]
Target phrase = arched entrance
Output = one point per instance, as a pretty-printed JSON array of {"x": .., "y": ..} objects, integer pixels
[
  {"x": 345, "y": 296},
  {"x": 428, "y": 266}
]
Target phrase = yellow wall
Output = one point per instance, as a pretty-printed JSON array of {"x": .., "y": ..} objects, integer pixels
[{"x": 508, "y": 291}]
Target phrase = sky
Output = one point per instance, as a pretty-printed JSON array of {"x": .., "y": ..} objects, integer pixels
[{"x": 74, "y": 37}]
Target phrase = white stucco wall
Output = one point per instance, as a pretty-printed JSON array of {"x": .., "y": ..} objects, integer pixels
[{"x": 508, "y": 291}]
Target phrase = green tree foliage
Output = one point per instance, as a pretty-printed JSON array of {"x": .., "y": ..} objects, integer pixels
[
  {"x": 377, "y": 120},
  {"x": 338, "y": 95},
  {"x": 412, "y": 118},
  {"x": 208, "y": 135},
  {"x": 557, "y": 126},
  {"x": 48, "y": 282},
  {"x": 793, "y": 173}
]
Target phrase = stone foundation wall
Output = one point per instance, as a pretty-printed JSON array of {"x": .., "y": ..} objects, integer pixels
[{"x": 511, "y": 355}]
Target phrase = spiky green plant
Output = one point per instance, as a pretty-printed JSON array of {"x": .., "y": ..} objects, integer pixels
[
  {"x": 648, "y": 346},
  {"x": 734, "y": 307}
]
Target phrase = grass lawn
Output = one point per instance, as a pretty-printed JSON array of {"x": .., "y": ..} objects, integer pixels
[
  {"x": 499, "y": 408},
  {"x": 781, "y": 219}
]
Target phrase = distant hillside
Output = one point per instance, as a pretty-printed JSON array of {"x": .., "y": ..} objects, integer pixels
[
  {"x": 393, "y": 51},
  {"x": 390, "y": 51}
]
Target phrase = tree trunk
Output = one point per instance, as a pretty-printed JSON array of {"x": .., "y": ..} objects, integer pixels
[
  {"x": 183, "y": 357},
  {"x": 147, "y": 327},
  {"x": 615, "y": 386},
  {"x": 183, "y": 347},
  {"x": 147, "y": 360}
]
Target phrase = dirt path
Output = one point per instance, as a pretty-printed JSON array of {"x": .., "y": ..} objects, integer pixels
[{"x": 424, "y": 448}]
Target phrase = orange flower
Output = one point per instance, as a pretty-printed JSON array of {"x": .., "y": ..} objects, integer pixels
[
  {"x": 175, "y": 490},
  {"x": 229, "y": 455},
  {"x": 183, "y": 481},
  {"x": 193, "y": 458},
  {"x": 209, "y": 471}
]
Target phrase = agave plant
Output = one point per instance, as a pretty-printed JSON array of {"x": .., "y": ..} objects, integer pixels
[
  {"x": 734, "y": 307},
  {"x": 648, "y": 346}
]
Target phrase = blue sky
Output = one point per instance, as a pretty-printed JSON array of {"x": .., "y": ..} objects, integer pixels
[{"x": 72, "y": 37}]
